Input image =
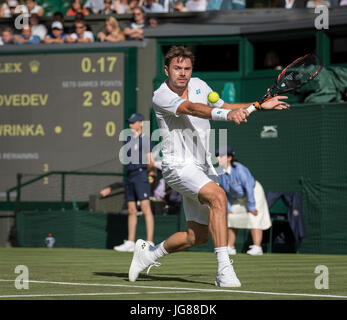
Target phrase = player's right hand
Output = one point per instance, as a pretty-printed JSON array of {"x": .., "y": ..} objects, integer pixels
[{"x": 238, "y": 115}]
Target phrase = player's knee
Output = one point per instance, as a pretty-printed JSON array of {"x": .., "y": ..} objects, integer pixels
[{"x": 219, "y": 200}]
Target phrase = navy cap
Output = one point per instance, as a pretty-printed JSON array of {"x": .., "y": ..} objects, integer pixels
[
  {"x": 136, "y": 117},
  {"x": 226, "y": 150}
]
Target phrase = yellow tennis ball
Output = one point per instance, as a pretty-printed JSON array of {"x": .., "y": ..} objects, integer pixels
[{"x": 213, "y": 97}]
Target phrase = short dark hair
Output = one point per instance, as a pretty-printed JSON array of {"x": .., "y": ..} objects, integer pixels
[{"x": 178, "y": 51}]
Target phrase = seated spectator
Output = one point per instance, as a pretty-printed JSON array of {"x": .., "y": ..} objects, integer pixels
[
  {"x": 196, "y": 5},
  {"x": 112, "y": 31},
  {"x": 121, "y": 6},
  {"x": 8, "y": 8},
  {"x": 151, "y": 6},
  {"x": 26, "y": 36},
  {"x": 316, "y": 3},
  {"x": 6, "y": 36},
  {"x": 33, "y": 7},
  {"x": 134, "y": 30},
  {"x": 77, "y": 7},
  {"x": 289, "y": 4},
  {"x": 57, "y": 35},
  {"x": 108, "y": 8},
  {"x": 272, "y": 61},
  {"x": 81, "y": 33},
  {"x": 37, "y": 28},
  {"x": 94, "y": 6},
  {"x": 152, "y": 22},
  {"x": 179, "y": 6}
]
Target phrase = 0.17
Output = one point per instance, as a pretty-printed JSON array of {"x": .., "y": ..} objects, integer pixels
[{"x": 103, "y": 64}]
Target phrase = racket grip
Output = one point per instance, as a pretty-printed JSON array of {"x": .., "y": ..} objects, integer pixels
[{"x": 251, "y": 108}]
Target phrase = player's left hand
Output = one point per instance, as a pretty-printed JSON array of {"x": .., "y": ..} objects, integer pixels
[{"x": 275, "y": 103}]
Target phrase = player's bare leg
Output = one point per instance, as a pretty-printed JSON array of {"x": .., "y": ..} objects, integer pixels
[
  {"x": 195, "y": 235},
  {"x": 214, "y": 196},
  {"x": 149, "y": 219}
]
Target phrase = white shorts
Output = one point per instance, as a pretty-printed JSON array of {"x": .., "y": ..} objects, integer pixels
[{"x": 188, "y": 180}]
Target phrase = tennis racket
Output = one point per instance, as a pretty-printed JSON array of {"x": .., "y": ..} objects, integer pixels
[{"x": 294, "y": 76}]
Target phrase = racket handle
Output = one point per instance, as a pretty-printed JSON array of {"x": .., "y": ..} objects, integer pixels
[{"x": 251, "y": 108}]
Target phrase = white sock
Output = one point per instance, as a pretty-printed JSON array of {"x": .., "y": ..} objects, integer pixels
[
  {"x": 158, "y": 251},
  {"x": 222, "y": 257}
]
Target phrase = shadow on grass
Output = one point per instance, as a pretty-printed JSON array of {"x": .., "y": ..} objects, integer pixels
[{"x": 143, "y": 277}]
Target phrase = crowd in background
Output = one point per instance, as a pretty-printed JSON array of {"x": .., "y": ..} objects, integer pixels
[{"x": 36, "y": 32}]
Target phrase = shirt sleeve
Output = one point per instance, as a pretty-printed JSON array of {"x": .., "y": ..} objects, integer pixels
[
  {"x": 247, "y": 181},
  {"x": 167, "y": 101}
]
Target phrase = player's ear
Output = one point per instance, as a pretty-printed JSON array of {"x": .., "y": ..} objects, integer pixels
[{"x": 166, "y": 69}]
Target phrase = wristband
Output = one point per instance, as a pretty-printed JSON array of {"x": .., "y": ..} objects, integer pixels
[{"x": 220, "y": 114}]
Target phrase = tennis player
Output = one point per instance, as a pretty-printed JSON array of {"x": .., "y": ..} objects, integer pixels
[{"x": 183, "y": 113}]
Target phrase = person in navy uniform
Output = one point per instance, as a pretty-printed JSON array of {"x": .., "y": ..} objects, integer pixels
[{"x": 137, "y": 186}]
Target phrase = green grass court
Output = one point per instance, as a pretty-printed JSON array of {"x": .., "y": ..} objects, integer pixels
[{"x": 79, "y": 274}]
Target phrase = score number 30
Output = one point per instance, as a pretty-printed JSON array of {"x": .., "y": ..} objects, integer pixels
[{"x": 109, "y": 98}]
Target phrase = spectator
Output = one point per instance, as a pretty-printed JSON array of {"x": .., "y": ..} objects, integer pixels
[
  {"x": 8, "y": 8},
  {"x": 108, "y": 8},
  {"x": 77, "y": 7},
  {"x": 33, "y": 7},
  {"x": 247, "y": 205},
  {"x": 6, "y": 36},
  {"x": 94, "y": 6},
  {"x": 196, "y": 5},
  {"x": 121, "y": 6},
  {"x": 152, "y": 22},
  {"x": 133, "y": 4},
  {"x": 81, "y": 33},
  {"x": 151, "y": 6},
  {"x": 38, "y": 29},
  {"x": 58, "y": 16},
  {"x": 134, "y": 30},
  {"x": 57, "y": 35},
  {"x": 112, "y": 31},
  {"x": 26, "y": 36},
  {"x": 272, "y": 60},
  {"x": 316, "y": 3},
  {"x": 289, "y": 4},
  {"x": 178, "y": 6}
]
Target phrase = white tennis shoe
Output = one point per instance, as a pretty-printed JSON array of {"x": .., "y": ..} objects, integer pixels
[
  {"x": 231, "y": 250},
  {"x": 127, "y": 246},
  {"x": 255, "y": 250},
  {"x": 141, "y": 260},
  {"x": 227, "y": 277}
]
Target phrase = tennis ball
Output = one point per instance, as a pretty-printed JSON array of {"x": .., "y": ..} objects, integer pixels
[{"x": 213, "y": 97}]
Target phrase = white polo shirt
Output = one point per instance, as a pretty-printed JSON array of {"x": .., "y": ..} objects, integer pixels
[{"x": 185, "y": 137}]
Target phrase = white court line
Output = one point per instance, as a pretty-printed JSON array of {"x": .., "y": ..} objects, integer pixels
[
  {"x": 185, "y": 289},
  {"x": 87, "y": 294}
]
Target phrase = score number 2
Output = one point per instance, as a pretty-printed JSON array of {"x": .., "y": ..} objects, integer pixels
[
  {"x": 105, "y": 64},
  {"x": 110, "y": 129}
]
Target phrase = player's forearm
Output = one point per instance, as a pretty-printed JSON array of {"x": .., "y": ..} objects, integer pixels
[
  {"x": 195, "y": 109},
  {"x": 234, "y": 106}
]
